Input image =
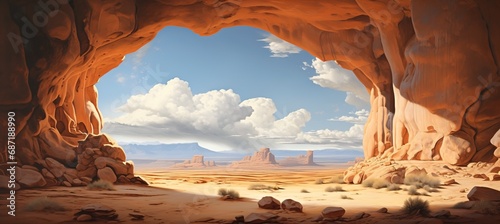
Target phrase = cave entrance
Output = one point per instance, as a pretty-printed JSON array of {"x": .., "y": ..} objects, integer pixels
[{"x": 184, "y": 88}]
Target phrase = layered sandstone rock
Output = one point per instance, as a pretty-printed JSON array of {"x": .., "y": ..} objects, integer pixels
[
  {"x": 431, "y": 67},
  {"x": 197, "y": 161},
  {"x": 260, "y": 159},
  {"x": 301, "y": 160}
]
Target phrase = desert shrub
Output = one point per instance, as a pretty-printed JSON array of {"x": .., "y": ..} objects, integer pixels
[
  {"x": 304, "y": 191},
  {"x": 258, "y": 187},
  {"x": 334, "y": 189},
  {"x": 416, "y": 206},
  {"x": 368, "y": 182},
  {"x": 232, "y": 194},
  {"x": 393, "y": 187},
  {"x": 44, "y": 204},
  {"x": 264, "y": 187},
  {"x": 319, "y": 181},
  {"x": 413, "y": 190},
  {"x": 430, "y": 189},
  {"x": 375, "y": 183},
  {"x": 101, "y": 185},
  {"x": 345, "y": 197},
  {"x": 463, "y": 205},
  {"x": 421, "y": 180},
  {"x": 380, "y": 183},
  {"x": 337, "y": 179}
]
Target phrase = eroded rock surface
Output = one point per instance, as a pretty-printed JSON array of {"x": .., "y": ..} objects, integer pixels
[
  {"x": 431, "y": 67},
  {"x": 198, "y": 161},
  {"x": 301, "y": 160},
  {"x": 260, "y": 159}
]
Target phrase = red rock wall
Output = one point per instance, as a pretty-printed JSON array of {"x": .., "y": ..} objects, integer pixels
[{"x": 431, "y": 67}]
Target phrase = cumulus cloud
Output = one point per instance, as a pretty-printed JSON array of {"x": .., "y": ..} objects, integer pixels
[
  {"x": 331, "y": 75},
  {"x": 359, "y": 117},
  {"x": 351, "y": 138},
  {"x": 172, "y": 111},
  {"x": 279, "y": 48}
]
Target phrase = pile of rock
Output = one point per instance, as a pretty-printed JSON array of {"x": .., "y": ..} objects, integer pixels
[
  {"x": 261, "y": 158},
  {"x": 301, "y": 160},
  {"x": 197, "y": 161},
  {"x": 97, "y": 157},
  {"x": 375, "y": 167},
  {"x": 271, "y": 203}
]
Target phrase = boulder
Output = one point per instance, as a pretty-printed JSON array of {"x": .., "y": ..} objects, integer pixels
[
  {"x": 269, "y": 202},
  {"x": 257, "y": 218},
  {"x": 291, "y": 205},
  {"x": 120, "y": 168},
  {"x": 415, "y": 171},
  {"x": 107, "y": 174},
  {"x": 483, "y": 194},
  {"x": 29, "y": 178},
  {"x": 333, "y": 213},
  {"x": 55, "y": 167}
]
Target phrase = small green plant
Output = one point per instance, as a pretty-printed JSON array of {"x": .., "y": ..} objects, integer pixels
[
  {"x": 44, "y": 204},
  {"x": 337, "y": 179},
  {"x": 304, "y": 191},
  {"x": 421, "y": 180},
  {"x": 101, "y": 185},
  {"x": 393, "y": 187},
  {"x": 230, "y": 194},
  {"x": 334, "y": 189},
  {"x": 416, "y": 206},
  {"x": 319, "y": 181},
  {"x": 413, "y": 190},
  {"x": 345, "y": 197}
]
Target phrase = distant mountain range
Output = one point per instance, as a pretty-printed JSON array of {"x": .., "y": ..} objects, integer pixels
[{"x": 187, "y": 150}]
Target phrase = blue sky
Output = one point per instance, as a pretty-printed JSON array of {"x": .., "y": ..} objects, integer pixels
[{"x": 241, "y": 88}]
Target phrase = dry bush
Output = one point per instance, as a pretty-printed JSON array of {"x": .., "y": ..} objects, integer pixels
[
  {"x": 44, "y": 204},
  {"x": 393, "y": 187},
  {"x": 101, "y": 185},
  {"x": 334, "y": 189},
  {"x": 231, "y": 194},
  {"x": 345, "y": 197},
  {"x": 421, "y": 180},
  {"x": 416, "y": 206},
  {"x": 337, "y": 179},
  {"x": 319, "y": 181}
]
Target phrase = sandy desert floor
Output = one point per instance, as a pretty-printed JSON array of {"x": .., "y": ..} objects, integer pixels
[{"x": 190, "y": 196}]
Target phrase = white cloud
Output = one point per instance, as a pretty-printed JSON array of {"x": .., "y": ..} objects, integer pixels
[
  {"x": 120, "y": 79},
  {"x": 360, "y": 117},
  {"x": 139, "y": 54},
  {"x": 350, "y": 138},
  {"x": 331, "y": 75},
  {"x": 170, "y": 113},
  {"x": 279, "y": 47}
]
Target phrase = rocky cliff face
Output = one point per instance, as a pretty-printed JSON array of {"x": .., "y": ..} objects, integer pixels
[
  {"x": 431, "y": 67},
  {"x": 301, "y": 160},
  {"x": 260, "y": 159}
]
